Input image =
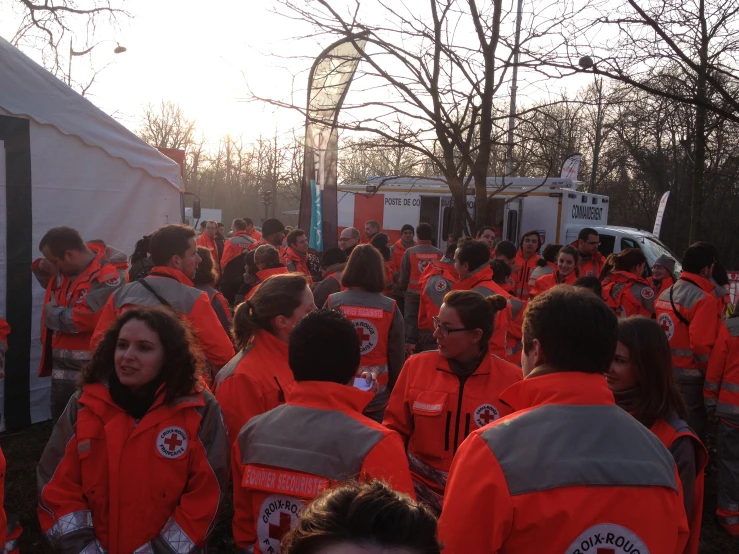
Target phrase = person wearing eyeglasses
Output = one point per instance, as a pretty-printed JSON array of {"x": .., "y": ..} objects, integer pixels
[
  {"x": 591, "y": 260},
  {"x": 443, "y": 395},
  {"x": 348, "y": 239}
]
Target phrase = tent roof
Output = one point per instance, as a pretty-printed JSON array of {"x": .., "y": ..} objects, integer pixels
[{"x": 28, "y": 90}]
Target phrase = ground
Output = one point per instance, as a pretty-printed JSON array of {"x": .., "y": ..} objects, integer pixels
[{"x": 23, "y": 449}]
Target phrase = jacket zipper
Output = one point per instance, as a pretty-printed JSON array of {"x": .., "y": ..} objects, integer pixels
[
  {"x": 462, "y": 381},
  {"x": 466, "y": 426},
  {"x": 446, "y": 434}
]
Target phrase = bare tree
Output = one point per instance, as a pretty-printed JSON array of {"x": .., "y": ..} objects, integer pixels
[{"x": 166, "y": 126}]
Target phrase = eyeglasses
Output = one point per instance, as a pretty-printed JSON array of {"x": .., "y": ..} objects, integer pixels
[
  {"x": 444, "y": 330},
  {"x": 345, "y": 239}
]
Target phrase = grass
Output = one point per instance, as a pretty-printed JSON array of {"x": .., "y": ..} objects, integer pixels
[{"x": 23, "y": 449}]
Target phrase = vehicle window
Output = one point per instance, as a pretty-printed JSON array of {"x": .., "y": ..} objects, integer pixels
[
  {"x": 654, "y": 248},
  {"x": 628, "y": 243},
  {"x": 607, "y": 242},
  {"x": 512, "y": 230}
]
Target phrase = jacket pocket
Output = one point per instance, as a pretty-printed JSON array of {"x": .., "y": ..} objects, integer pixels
[{"x": 429, "y": 409}]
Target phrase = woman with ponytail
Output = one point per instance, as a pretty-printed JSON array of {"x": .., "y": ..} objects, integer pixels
[
  {"x": 443, "y": 395},
  {"x": 256, "y": 379}
]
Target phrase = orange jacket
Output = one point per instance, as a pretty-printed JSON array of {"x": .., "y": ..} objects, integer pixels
[
  {"x": 521, "y": 273},
  {"x": 514, "y": 343},
  {"x": 691, "y": 340},
  {"x": 263, "y": 276},
  {"x": 254, "y": 382},
  {"x": 592, "y": 266},
  {"x": 256, "y": 235},
  {"x": 206, "y": 242},
  {"x": 381, "y": 331},
  {"x": 668, "y": 431},
  {"x": 10, "y": 532},
  {"x": 540, "y": 271},
  {"x": 610, "y": 487},
  {"x": 396, "y": 257},
  {"x": 220, "y": 306},
  {"x": 235, "y": 246},
  {"x": 415, "y": 260},
  {"x": 190, "y": 303},
  {"x": 721, "y": 389},
  {"x": 285, "y": 458},
  {"x": 628, "y": 294},
  {"x": 436, "y": 282},
  {"x": 67, "y": 329},
  {"x": 546, "y": 282},
  {"x": 111, "y": 482},
  {"x": 481, "y": 280},
  {"x": 662, "y": 286},
  {"x": 433, "y": 409},
  {"x": 296, "y": 264}
]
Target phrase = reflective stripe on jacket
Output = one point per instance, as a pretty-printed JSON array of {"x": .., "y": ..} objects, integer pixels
[
  {"x": 611, "y": 485},
  {"x": 219, "y": 305},
  {"x": 433, "y": 410},
  {"x": 540, "y": 271},
  {"x": 381, "y": 332},
  {"x": 254, "y": 381},
  {"x": 661, "y": 286},
  {"x": 288, "y": 456},
  {"x": 721, "y": 388},
  {"x": 67, "y": 329},
  {"x": 189, "y": 302},
  {"x": 436, "y": 282},
  {"x": 690, "y": 344},
  {"x": 628, "y": 294},
  {"x": 415, "y": 260},
  {"x": 235, "y": 246},
  {"x": 109, "y": 483}
]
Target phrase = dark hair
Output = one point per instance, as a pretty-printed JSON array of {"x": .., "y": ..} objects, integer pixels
[
  {"x": 268, "y": 255},
  {"x": 141, "y": 250},
  {"x": 649, "y": 352},
  {"x": 451, "y": 248},
  {"x": 531, "y": 234},
  {"x": 168, "y": 241},
  {"x": 585, "y": 233},
  {"x": 278, "y": 295},
  {"x": 380, "y": 241},
  {"x": 424, "y": 231},
  {"x": 364, "y": 514},
  {"x": 406, "y": 227},
  {"x": 505, "y": 248},
  {"x": 60, "y": 239},
  {"x": 563, "y": 312},
  {"x": 333, "y": 256},
  {"x": 292, "y": 236},
  {"x": 501, "y": 271},
  {"x": 473, "y": 253},
  {"x": 324, "y": 346},
  {"x": 248, "y": 221},
  {"x": 476, "y": 311},
  {"x": 249, "y": 262},
  {"x": 206, "y": 273},
  {"x": 203, "y": 223},
  {"x": 590, "y": 282},
  {"x": 239, "y": 224},
  {"x": 182, "y": 361},
  {"x": 628, "y": 259},
  {"x": 574, "y": 252},
  {"x": 549, "y": 254},
  {"x": 698, "y": 256},
  {"x": 481, "y": 230},
  {"x": 364, "y": 269}
]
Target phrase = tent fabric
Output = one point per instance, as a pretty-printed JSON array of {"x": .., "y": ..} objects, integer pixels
[
  {"x": 88, "y": 172},
  {"x": 28, "y": 90}
]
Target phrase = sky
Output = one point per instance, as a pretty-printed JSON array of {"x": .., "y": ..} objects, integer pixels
[{"x": 205, "y": 60}]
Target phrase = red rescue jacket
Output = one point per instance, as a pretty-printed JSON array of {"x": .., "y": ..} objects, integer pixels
[
  {"x": 546, "y": 282},
  {"x": 263, "y": 276},
  {"x": 235, "y": 246},
  {"x": 111, "y": 482},
  {"x": 522, "y": 269},
  {"x": 415, "y": 260},
  {"x": 296, "y": 264},
  {"x": 660, "y": 287},
  {"x": 628, "y": 294},
  {"x": 721, "y": 388},
  {"x": 436, "y": 282},
  {"x": 206, "y": 242},
  {"x": 433, "y": 409}
]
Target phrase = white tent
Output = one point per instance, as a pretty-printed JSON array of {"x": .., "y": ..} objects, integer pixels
[{"x": 63, "y": 162}]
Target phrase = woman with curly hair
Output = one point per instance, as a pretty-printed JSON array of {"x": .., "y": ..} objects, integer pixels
[{"x": 138, "y": 462}]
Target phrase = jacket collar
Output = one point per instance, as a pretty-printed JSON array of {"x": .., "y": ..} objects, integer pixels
[
  {"x": 328, "y": 396},
  {"x": 267, "y": 273},
  {"x": 485, "y": 367},
  {"x": 294, "y": 254},
  {"x": 172, "y": 273},
  {"x": 266, "y": 340},
  {"x": 569, "y": 280},
  {"x": 423, "y": 242},
  {"x": 482, "y": 273},
  {"x": 335, "y": 268},
  {"x": 562, "y": 387},
  {"x": 624, "y": 276},
  {"x": 520, "y": 260},
  {"x": 704, "y": 284},
  {"x": 97, "y": 397}
]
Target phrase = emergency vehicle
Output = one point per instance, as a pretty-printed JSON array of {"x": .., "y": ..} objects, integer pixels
[{"x": 553, "y": 206}]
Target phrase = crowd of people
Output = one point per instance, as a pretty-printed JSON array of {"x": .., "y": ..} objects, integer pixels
[{"x": 531, "y": 398}]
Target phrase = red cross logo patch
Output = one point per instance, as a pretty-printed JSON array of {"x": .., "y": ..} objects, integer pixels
[
  {"x": 485, "y": 414},
  {"x": 367, "y": 334},
  {"x": 668, "y": 326},
  {"x": 172, "y": 442},
  {"x": 440, "y": 285},
  {"x": 422, "y": 265},
  {"x": 608, "y": 538},
  {"x": 278, "y": 514}
]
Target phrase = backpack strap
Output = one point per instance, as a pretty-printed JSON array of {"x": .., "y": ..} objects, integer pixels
[
  {"x": 148, "y": 287},
  {"x": 674, "y": 308}
]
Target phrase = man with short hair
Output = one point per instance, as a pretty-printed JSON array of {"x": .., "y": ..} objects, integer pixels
[
  {"x": 273, "y": 232},
  {"x": 295, "y": 257},
  {"x": 505, "y": 250},
  {"x": 208, "y": 240},
  {"x": 371, "y": 228},
  {"x": 238, "y": 244},
  {"x": 175, "y": 255},
  {"x": 690, "y": 316},
  {"x": 284, "y": 458},
  {"x": 591, "y": 261},
  {"x": 568, "y": 469},
  {"x": 251, "y": 230},
  {"x": 79, "y": 278},
  {"x": 415, "y": 260},
  {"x": 348, "y": 239},
  {"x": 407, "y": 232},
  {"x": 487, "y": 235}
]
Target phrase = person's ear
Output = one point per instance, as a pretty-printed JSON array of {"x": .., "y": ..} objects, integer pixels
[
  {"x": 477, "y": 334},
  {"x": 280, "y": 322}
]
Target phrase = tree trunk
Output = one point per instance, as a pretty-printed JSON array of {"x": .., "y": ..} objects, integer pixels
[{"x": 699, "y": 157}]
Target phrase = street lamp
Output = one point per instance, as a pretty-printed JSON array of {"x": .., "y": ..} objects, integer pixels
[{"x": 72, "y": 53}]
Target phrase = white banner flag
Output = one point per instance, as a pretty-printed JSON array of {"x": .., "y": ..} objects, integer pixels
[
  {"x": 571, "y": 167},
  {"x": 660, "y": 213}
]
